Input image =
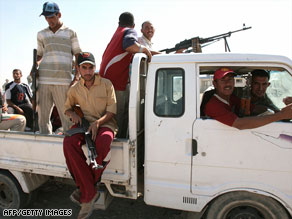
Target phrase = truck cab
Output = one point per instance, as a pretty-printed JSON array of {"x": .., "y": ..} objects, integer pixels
[{"x": 192, "y": 162}]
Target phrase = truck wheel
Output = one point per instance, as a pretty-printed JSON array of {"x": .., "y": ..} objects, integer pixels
[
  {"x": 11, "y": 194},
  {"x": 245, "y": 205}
]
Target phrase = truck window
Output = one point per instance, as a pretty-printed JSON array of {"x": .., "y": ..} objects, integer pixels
[
  {"x": 169, "y": 92},
  {"x": 281, "y": 87},
  {"x": 280, "y": 84}
]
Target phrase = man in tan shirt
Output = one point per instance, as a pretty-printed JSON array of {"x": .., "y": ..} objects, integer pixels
[{"x": 97, "y": 100}]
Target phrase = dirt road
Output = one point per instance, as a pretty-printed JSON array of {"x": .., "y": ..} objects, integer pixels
[{"x": 55, "y": 195}]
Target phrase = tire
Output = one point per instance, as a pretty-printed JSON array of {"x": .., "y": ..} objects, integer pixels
[
  {"x": 245, "y": 205},
  {"x": 11, "y": 194}
]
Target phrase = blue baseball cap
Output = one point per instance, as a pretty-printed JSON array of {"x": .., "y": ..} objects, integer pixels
[{"x": 50, "y": 9}]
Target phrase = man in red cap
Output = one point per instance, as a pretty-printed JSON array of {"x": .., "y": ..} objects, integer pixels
[{"x": 224, "y": 106}]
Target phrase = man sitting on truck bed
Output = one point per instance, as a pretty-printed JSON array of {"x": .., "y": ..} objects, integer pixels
[
  {"x": 97, "y": 100},
  {"x": 13, "y": 122},
  {"x": 19, "y": 97},
  {"x": 224, "y": 106}
]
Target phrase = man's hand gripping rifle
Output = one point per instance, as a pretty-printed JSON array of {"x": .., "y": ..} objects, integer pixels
[{"x": 83, "y": 128}]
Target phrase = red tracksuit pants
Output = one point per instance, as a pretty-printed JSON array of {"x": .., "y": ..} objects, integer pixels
[{"x": 84, "y": 175}]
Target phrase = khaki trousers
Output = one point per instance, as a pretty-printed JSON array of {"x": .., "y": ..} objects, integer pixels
[
  {"x": 48, "y": 95},
  {"x": 13, "y": 122}
]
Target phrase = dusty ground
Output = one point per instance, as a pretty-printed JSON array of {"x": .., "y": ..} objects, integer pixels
[{"x": 55, "y": 195}]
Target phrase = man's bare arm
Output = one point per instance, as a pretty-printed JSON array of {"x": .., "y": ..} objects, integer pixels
[
  {"x": 17, "y": 108},
  {"x": 136, "y": 47},
  {"x": 258, "y": 121}
]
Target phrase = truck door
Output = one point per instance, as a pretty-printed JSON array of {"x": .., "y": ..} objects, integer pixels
[
  {"x": 168, "y": 133},
  {"x": 252, "y": 159}
]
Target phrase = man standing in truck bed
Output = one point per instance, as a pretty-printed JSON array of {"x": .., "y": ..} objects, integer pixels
[
  {"x": 224, "y": 106},
  {"x": 115, "y": 65},
  {"x": 56, "y": 46},
  {"x": 96, "y": 98}
]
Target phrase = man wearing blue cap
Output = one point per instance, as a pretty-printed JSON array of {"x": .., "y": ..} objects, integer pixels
[{"x": 56, "y": 46}]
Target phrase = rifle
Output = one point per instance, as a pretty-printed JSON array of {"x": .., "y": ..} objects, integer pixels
[
  {"x": 246, "y": 97},
  {"x": 34, "y": 88},
  {"x": 92, "y": 154},
  {"x": 197, "y": 43}
]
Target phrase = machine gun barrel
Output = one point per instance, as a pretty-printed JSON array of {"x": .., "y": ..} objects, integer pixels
[
  {"x": 221, "y": 36},
  {"x": 196, "y": 42}
]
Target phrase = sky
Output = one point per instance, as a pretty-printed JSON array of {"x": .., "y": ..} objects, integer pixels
[{"x": 95, "y": 21}]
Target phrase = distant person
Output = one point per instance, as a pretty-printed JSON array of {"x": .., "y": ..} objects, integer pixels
[
  {"x": 12, "y": 122},
  {"x": 56, "y": 46},
  {"x": 6, "y": 82},
  {"x": 115, "y": 65},
  {"x": 224, "y": 106},
  {"x": 96, "y": 97},
  {"x": 147, "y": 34},
  {"x": 19, "y": 98}
]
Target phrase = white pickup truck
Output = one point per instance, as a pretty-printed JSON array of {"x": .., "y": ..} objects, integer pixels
[{"x": 179, "y": 159}]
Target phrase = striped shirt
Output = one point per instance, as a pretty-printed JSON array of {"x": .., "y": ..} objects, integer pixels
[{"x": 57, "y": 50}]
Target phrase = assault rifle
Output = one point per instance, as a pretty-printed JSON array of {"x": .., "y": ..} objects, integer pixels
[
  {"x": 246, "y": 97},
  {"x": 34, "y": 88},
  {"x": 83, "y": 128},
  {"x": 197, "y": 43}
]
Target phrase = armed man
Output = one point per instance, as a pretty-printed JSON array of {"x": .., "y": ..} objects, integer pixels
[
  {"x": 97, "y": 100},
  {"x": 224, "y": 106}
]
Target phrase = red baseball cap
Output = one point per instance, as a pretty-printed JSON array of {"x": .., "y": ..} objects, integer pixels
[{"x": 221, "y": 72}]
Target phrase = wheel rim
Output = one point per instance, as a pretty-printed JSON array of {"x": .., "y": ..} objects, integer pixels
[
  {"x": 6, "y": 196},
  {"x": 246, "y": 210}
]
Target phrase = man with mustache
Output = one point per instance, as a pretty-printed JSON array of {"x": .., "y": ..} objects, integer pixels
[
  {"x": 19, "y": 97},
  {"x": 224, "y": 106},
  {"x": 96, "y": 97},
  {"x": 147, "y": 33}
]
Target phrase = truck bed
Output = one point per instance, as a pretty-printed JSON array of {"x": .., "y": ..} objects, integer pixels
[{"x": 43, "y": 154}]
